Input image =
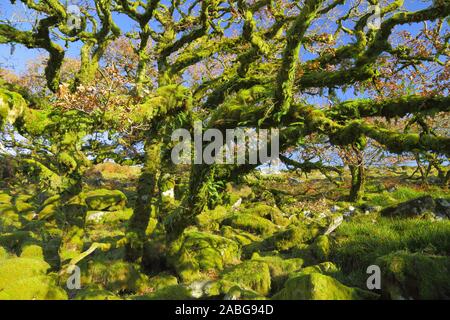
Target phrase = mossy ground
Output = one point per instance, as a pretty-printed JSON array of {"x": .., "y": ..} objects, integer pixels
[{"x": 270, "y": 246}]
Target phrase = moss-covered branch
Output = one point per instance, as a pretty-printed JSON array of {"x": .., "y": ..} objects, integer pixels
[
  {"x": 286, "y": 73},
  {"x": 390, "y": 108},
  {"x": 40, "y": 38}
]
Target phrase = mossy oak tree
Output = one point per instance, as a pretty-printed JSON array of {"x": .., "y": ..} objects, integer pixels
[{"x": 259, "y": 64}]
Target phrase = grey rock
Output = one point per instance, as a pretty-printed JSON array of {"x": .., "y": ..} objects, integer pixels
[
  {"x": 334, "y": 224},
  {"x": 335, "y": 208},
  {"x": 96, "y": 216},
  {"x": 442, "y": 207},
  {"x": 369, "y": 209},
  {"x": 294, "y": 181},
  {"x": 236, "y": 205},
  {"x": 307, "y": 213},
  {"x": 411, "y": 208}
]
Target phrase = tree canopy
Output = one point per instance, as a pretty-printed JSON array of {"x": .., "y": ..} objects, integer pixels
[{"x": 361, "y": 77}]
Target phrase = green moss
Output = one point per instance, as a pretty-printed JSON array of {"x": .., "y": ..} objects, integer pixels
[
  {"x": 12, "y": 106},
  {"x": 103, "y": 199},
  {"x": 67, "y": 161},
  {"x": 46, "y": 176},
  {"x": 49, "y": 207},
  {"x": 161, "y": 281},
  {"x": 14, "y": 240},
  {"x": 22, "y": 203},
  {"x": 326, "y": 268},
  {"x": 238, "y": 293},
  {"x": 33, "y": 288},
  {"x": 285, "y": 240},
  {"x": 7, "y": 209},
  {"x": 268, "y": 198},
  {"x": 234, "y": 193},
  {"x": 250, "y": 223},
  {"x": 321, "y": 247},
  {"x": 113, "y": 218},
  {"x": 415, "y": 275},
  {"x": 15, "y": 269},
  {"x": 95, "y": 294},
  {"x": 175, "y": 292},
  {"x": 165, "y": 99},
  {"x": 32, "y": 251},
  {"x": 268, "y": 212},
  {"x": 241, "y": 237},
  {"x": 35, "y": 121},
  {"x": 49, "y": 211},
  {"x": 9, "y": 219},
  {"x": 218, "y": 288},
  {"x": 316, "y": 286},
  {"x": 251, "y": 274},
  {"x": 72, "y": 243},
  {"x": 196, "y": 253},
  {"x": 3, "y": 253},
  {"x": 5, "y": 198},
  {"x": 209, "y": 219},
  {"x": 279, "y": 268},
  {"x": 116, "y": 276},
  {"x": 151, "y": 227}
]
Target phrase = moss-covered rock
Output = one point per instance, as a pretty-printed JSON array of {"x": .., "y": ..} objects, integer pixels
[
  {"x": 251, "y": 223},
  {"x": 5, "y": 198},
  {"x": 9, "y": 219},
  {"x": 32, "y": 251},
  {"x": 234, "y": 193},
  {"x": 72, "y": 244},
  {"x": 196, "y": 253},
  {"x": 250, "y": 274},
  {"x": 109, "y": 217},
  {"x": 224, "y": 289},
  {"x": 27, "y": 279},
  {"x": 93, "y": 293},
  {"x": 33, "y": 288},
  {"x": 414, "y": 276},
  {"x": 116, "y": 276},
  {"x": 12, "y": 106},
  {"x": 174, "y": 292},
  {"x": 316, "y": 286},
  {"x": 326, "y": 268},
  {"x": 23, "y": 203},
  {"x": 239, "y": 293},
  {"x": 94, "y": 217},
  {"x": 241, "y": 237},
  {"x": 285, "y": 240},
  {"x": 279, "y": 268},
  {"x": 48, "y": 210},
  {"x": 3, "y": 253},
  {"x": 269, "y": 212},
  {"x": 411, "y": 208},
  {"x": 14, "y": 240},
  {"x": 321, "y": 247},
  {"x": 161, "y": 281},
  {"x": 105, "y": 200},
  {"x": 17, "y": 268},
  {"x": 267, "y": 197},
  {"x": 209, "y": 219}
]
